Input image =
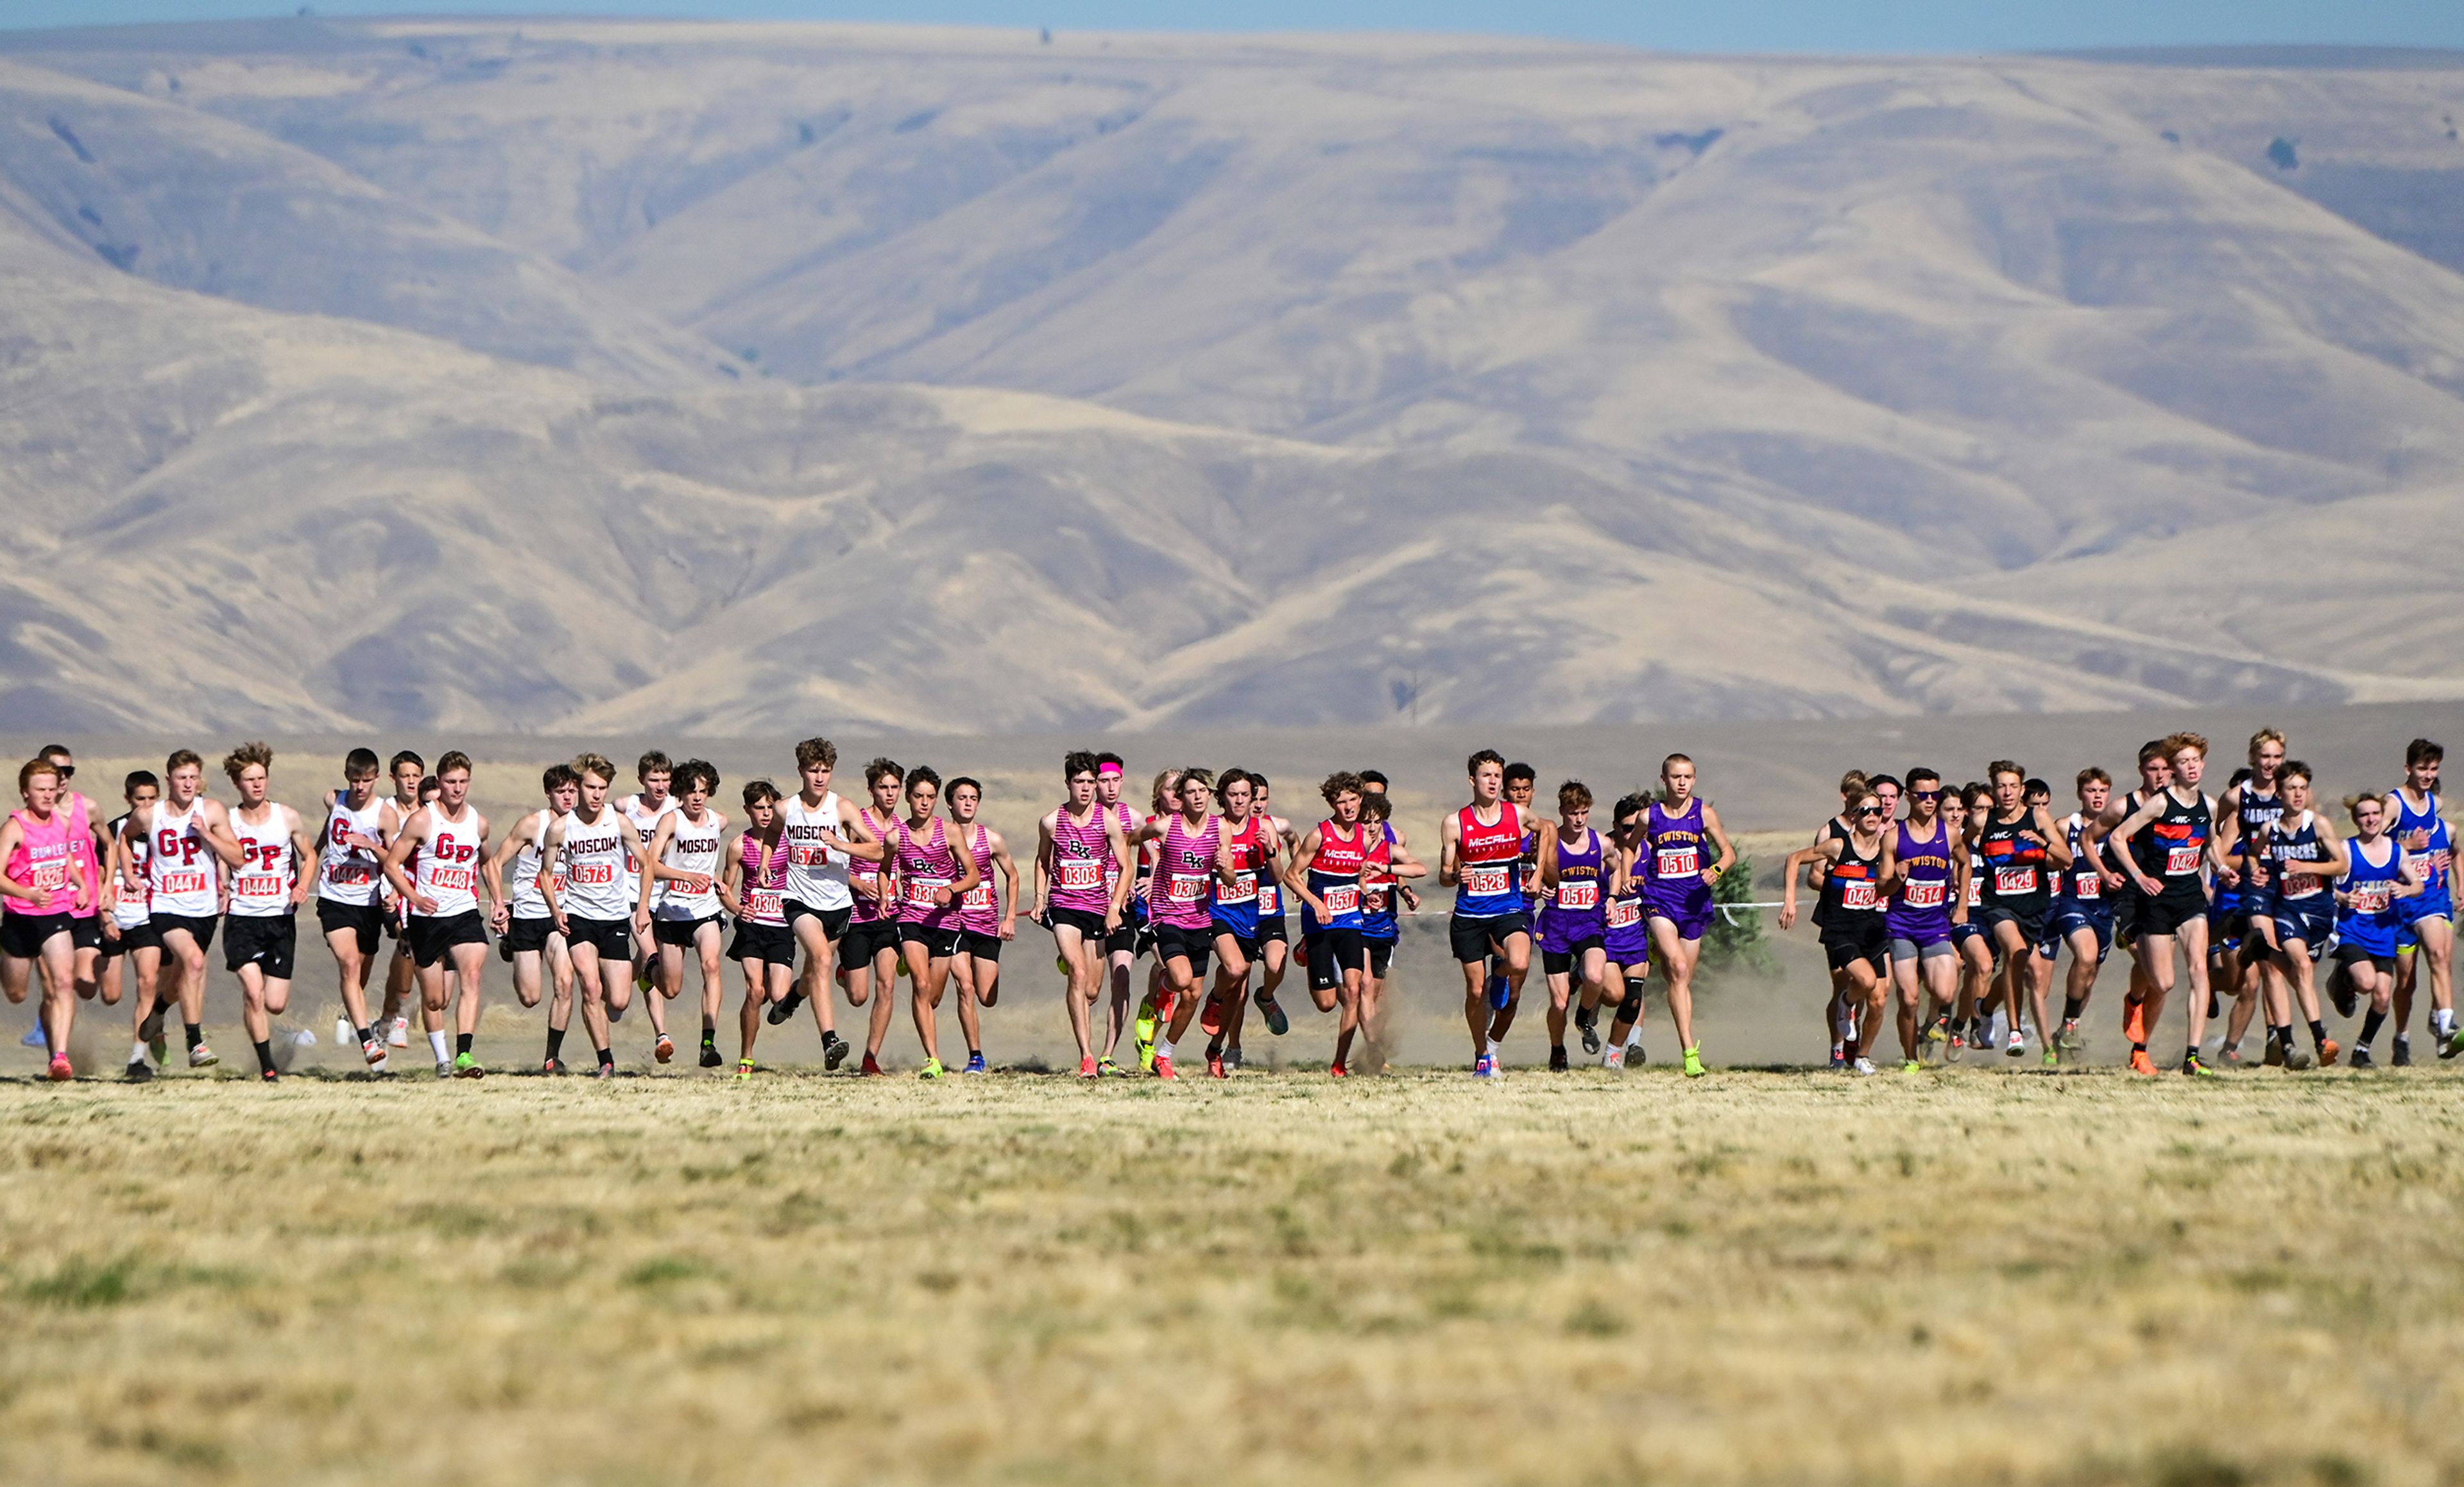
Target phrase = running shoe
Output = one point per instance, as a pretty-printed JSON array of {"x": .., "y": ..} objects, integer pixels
[
  {"x": 975, "y": 1064},
  {"x": 1484, "y": 1066},
  {"x": 1276, "y": 1022},
  {"x": 1500, "y": 991},
  {"x": 1587, "y": 1022},
  {"x": 2340, "y": 987},
  {"x": 834, "y": 1050},
  {"x": 2274, "y": 1058},
  {"x": 642, "y": 979},
  {"x": 931, "y": 1069},
  {"x": 2328, "y": 1054},
  {"x": 1957, "y": 1046},
  {"x": 553, "y": 1068},
  {"x": 140, "y": 1071},
  {"x": 1558, "y": 1064},
  {"x": 159, "y": 1045},
  {"x": 1936, "y": 1035},
  {"x": 202, "y": 1057},
  {"x": 2298, "y": 1058},
  {"x": 606, "y": 1071},
  {"x": 343, "y": 1033},
  {"x": 2141, "y": 1063},
  {"x": 1232, "y": 1059},
  {"x": 782, "y": 1009},
  {"x": 2196, "y": 1067},
  {"x": 2454, "y": 1043},
  {"x": 709, "y": 1059},
  {"x": 1210, "y": 1017},
  {"x": 2362, "y": 1059},
  {"x": 373, "y": 1050},
  {"x": 443, "y": 1068},
  {"x": 1861, "y": 1066},
  {"x": 2068, "y": 1042},
  {"x": 270, "y": 1076},
  {"x": 35, "y": 1038},
  {"x": 743, "y": 1068},
  {"x": 1215, "y": 1066},
  {"x": 2215, "y": 1006},
  {"x": 1163, "y": 1067},
  {"x": 61, "y": 1069},
  {"x": 1106, "y": 1067},
  {"x": 870, "y": 1068},
  {"x": 398, "y": 1035},
  {"x": 2018, "y": 1046},
  {"x": 1634, "y": 1055},
  {"x": 2403, "y": 1059},
  {"x": 2134, "y": 1020},
  {"x": 1614, "y": 1058},
  {"x": 2053, "y": 1060},
  {"x": 2229, "y": 1055},
  {"x": 1336, "y": 1070},
  {"x": 465, "y": 1066},
  {"x": 1142, "y": 1031},
  {"x": 1694, "y": 1063},
  {"x": 1086, "y": 1068},
  {"x": 1912, "y": 1066},
  {"x": 1838, "y": 1060},
  {"x": 664, "y": 1049}
]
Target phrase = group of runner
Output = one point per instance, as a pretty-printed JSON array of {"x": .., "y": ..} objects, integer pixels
[
  {"x": 1956, "y": 910},
  {"x": 1943, "y": 916}
]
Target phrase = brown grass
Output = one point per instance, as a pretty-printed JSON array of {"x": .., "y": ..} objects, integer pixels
[{"x": 1951, "y": 1277}]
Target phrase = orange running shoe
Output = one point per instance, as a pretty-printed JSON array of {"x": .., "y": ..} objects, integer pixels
[
  {"x": 2327, "y": 1052},
  {"x": 1215, "y": 1066},
  {"x": 1210, "y": 1017},
  {"x": 1086, "y": 1068},
  {"x": 665, "y": 1049},
  {"x": 1163, "y": 1067},
  {"x": 2141, "y": 1063}
]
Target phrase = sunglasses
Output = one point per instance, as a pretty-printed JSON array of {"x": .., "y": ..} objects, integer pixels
[
  {"x": 1869, "y": 810},
  {"x": 1925, "y": 795},
  {"x": 67, "y": 771}
]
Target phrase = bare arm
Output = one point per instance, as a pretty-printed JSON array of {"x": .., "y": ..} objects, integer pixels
[
  {"x": 1043, "y": 866},
  {"x": 406, "y": 842},
  {"x": 1008, "y": 869},
  {"x": 1822, "y": 854},
  {"x": 304, "y": 855},
  {"x": 213, "y": 827},
  {"x": 1719, "y": 835},
  {"x": 1450, "y": 851},
  {"x": 2057, "y": 847}
]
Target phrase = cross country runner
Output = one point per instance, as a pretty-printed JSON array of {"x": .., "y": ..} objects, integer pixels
[
  {"x": 1855, "y": 940},
  {"x": 43, "y": 878},
  {"x": 436, "y": 865},
  {"x": 87, "y": 841},
  {"x": 1626, "y": 936},
  {"x": 1924, "y": 874},
  {"x": 827, "y": 835},
  {"x": 646, "y": 808},
  {"x": 351, "y": 877},
  {"x": 1579, "y": 874},
  {"x": 2082, "y": 912},
  {"x": 681, "y": 913},
  {"x": 1324, "y": 873},
  {"x": 987, "y": 917},
  {"x": 2426, "y": 942},
  {"x": 1677, "y": 828},
  {"x": 187, "y": 842},
  {"x": 2286, "y": 871},
  {"x": 129, "y": 937},
  {"x": 2247, "y": 805},
  {"x": 595, "y": 848},
  {"x": 268, "y": 884},
  {"x": 2018, "y": 854},
  {"x": 869, "y": 959},
  {"x": 1383, "y": 884},
  {"x": 2370, "y": 911},
  {"x": 753, "y": 886},
  {"x": 2180, "y": 822},
  {"x": 1192, "y": 861},
  {"x": 1254, "y": 846},
  {"x": 527, "y": 938},
  {"x": 1480, "y": 856},
  {"x": 410, "y": 775},
  {"x": 1075, "y": 896},
  {"x": 934, "y": 873}
]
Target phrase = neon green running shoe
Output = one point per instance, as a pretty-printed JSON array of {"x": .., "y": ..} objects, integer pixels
[
  {"x": 743, "y": 1068},
  {"x": 1694, "y": 1063},
  {"x": 1912, "y": 1066},
  {"x": 2053, "y": 1060},
  {"x": 931, "y": 1069},
  {"x": 1106, "y": 1068},
  {"x": 466, "y": 1067},
  {"x": 1143, "y": 1030}
]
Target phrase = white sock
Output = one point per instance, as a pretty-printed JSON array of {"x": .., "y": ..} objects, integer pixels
[
  {"x": 1163, "y": 1048},
  {"x": 138, "y": 1053},
  {"x": 2442, "y": 1021},
  {"x": 436, "y": 1040}
]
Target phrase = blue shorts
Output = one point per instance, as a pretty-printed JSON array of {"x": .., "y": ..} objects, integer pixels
[
  {"x": 1962, "y": 933},
  {"x": 2312, "y": 921},
  {"x": 2067, "y": 922},
  {"x": 2436, "y": 904}
]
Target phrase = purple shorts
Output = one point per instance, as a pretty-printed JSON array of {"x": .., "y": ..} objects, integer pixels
[
  {"x": 1685, "y": 905},
  {"x": 1630, "y": 945},
  {"x": 1562, "y": 929}
]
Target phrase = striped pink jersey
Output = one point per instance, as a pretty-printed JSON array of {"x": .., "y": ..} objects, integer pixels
[
  {"x": 925, "y": 863},
  {"x": 979, "y": 911},
  {"x": 866, "y": 878},
  {"x": 764, "y": 880},
  {"x": 1181, "y": 891},
  {"x": 1083, "y": 868}
]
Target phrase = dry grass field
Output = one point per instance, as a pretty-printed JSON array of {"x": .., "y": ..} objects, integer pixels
[{"x": 1949, "y": 1278}]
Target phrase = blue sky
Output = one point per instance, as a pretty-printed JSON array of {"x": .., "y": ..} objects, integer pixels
[{"x": 1693, "y": 25}]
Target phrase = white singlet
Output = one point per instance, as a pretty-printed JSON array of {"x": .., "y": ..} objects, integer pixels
[
  {"x": 692, "y": 849},
  {"x": 598, "y": 856},
  {"x": 817, "y": 877},
  {"x": 261, "y": 888},
  {"x": 446, "y": 864},
  {"x": 184, "y": 877},
  {"x": 524, "y": 890},
  {"x": 348, "y": 874},
  {"x": 647, "y": 822},
  {"x": 128, "y": 909}
]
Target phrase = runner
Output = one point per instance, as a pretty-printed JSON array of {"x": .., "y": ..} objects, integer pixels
[
  {"x": 1850, "y": 916},
  {"x": 1627, "y": 936},
  {"x": 1253, "y": 845},
  {"x": 1324, "y": 873},
  {"x": 1383, "y": 885},
  {"x": 2426, "y": 939},
  {"x": 1924, "y": 872},
  {"x": 129, "y": 935},
  {"x": 1136, "y": 931},
  {"x": 1967, "y": 1026},
  {"x": 268, "y": 884},
  {"x": 1578, "y": 877},
  {"x": 1480, "y": 856},
  {"x": 2287, "y": 868},
  {"x": 2082, "y": 910},
  {"x": 43, "y": 878},
  {"x": 351, "y": 877},
  {"x": 2179, "y": 821},
  {"x": 1522, "y": 783},
  {"x": 184, "y": 840},
  {"x": 88, "y": 843},
  {"x": 1075, "y": 897},
  {"x": 825, "y": 836},
  {"x": 2018, "y": 854},
  {"x": 411, "y": 790},
  {"x": 2247, "y": 805},
  {"x": 2155, "y": 775},
  {"x": 594, "y": 848},
  {"x": 1192, "y": 862},
  {"x": 869, "y": 961},
  {"x": 681, "y": 912},
  {"x": 753, "y": 886},
  {"x": 1120, "y": 945},
  {"x": 1677, "y": 828},
  {"x": 1837, "y": 1014},
  {"x": 1274, "y": 930},
  {"x": 437, "y": 863},
  {"x": 527, "y": 936},
  {"x": 646, "y": 808},
  {"x": 935, "y": 875},
  {"x": 2370, "y": 910},
  {"x": 987, "y": 918}
]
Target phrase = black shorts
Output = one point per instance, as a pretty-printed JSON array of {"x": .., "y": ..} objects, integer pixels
[
  {"x": 1562, "y": 962},
  {"x": 1331, "y": 953},
  {"x": 269, "y": 941},
  {"x": 772, "y": 944},
  {"x": 2032, "y": 924},
  {"x": 1088, "y": 923},
  {"x": 431, "y": 937},
  {"x": 365, "y": 920},
  {"x": 85, "y": 934},
  {"x": 834, "y": 921},
  {"x": 1247, "y": 942},
  {"x": 140, "y": 935},
  {"x": 1381, "y": 954},
  {"x": 985, "y": 948},
  {"x": 526, "y": 936},
  {"x": 22, "y": 936},
  {"x": 1196, "y": 946},
  {"x": 2348, "y": 954},
  {"x": 681, "y": 932},
  {"x": 200, "y": 928},
  {"x": 1274, "y": 927},
  {"x": 862, "y": 942},
  {"x": 1131, "y": 938},
  {"x": 611, "y": 938},
  {"x": 2167, "y": 912},
  {"x": 1869, "y": 941},
  {"x": 1471, "y": 938},
  {"x": 940, "y": 942}
]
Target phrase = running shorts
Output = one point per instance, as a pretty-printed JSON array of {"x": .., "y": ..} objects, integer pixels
[
  {"x": 85, "y": 931},
  {"x": 834, "y": 921},
  {"x": 1562, "y": 962},
  {"x": 200, "y": 927},
  {"x": 2067, "y": 922},
  {"x": 681, "y": 932},
  {"x": 1331, "y": 953},
  {"x": 140, "y": 935},
  {"x": 1903, "y": 948},
  {"x": 23, "y": 936},
  {"x": 1962, "y": 933},
  {"x": 431, "y": 937},
  {"x": 2167, "y": 911},
  {"x": 1130, "y": 938},
  {"x": 863, "y": 943},
  {"x": 2032, "y": 927},
  {"x": 1471, "y": 937},
  {"x": 1272, "y": 927},
  {"x": 271, "y": 941},
  {"x": 986, "y": 947},
  {"x": 940, "y": 942},
  {"x": 1381, "y": 955},
  {"x": 2310, "y": 920},
  {"x": 1868, "y": 939},
  {"x": 772, "y": 944},
  {"x": 1088, "y": 923},
  {"x": 2349, "y": 956},
  {"x": 1196, "y": 946},
  {"x": 527, "y": 936},
  {"x": 1246, "y": 944},
  {"x": 367, "y": 921},
  {"x": 611, "y": 938}
]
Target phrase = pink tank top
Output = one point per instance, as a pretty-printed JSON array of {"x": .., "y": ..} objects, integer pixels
[
  {"x": 925, "y": 863},
  {"x": 764, "y": 881},
  {"x": 41, "y": 860},
  {"x": 1181, "y": 892},
  {"x": 866, "y": 878},
  {"x": 979, "y": 911},
  {"x": 1083, "y": 868},
  {"x": 81, "y": 845}
]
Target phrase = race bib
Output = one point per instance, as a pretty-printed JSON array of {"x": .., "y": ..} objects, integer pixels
[
  {"x": 1242, "y": 891},
  {"x": 919, "y": 891},
  {"x": 2302, "y": 885},
  {"x": 1487, "y": 879},
  {"x": 981, "y": 896},
  {"x": 257, "y": 885},
  {"x": 2373, "y": 898},
  {"x": 1186, "y": 888},
  {"x": 765, "y": 904},
  {"x": 349, "y": 874},
  {"x": 1578, "y": 895},
  {"x": 1081, "y": 872},
  {"x": 2182, "y": 860},
  {"x": 1856, "y": 893},
  {"x": 808, "y": 854},
  {"x": 2015, "y": 880},
  {"x": 1676, "y": 862},
  {"x": 1626, "y": 912},
  {"x": 188, "y": 881},
  {"x": 1975, "y": 891},
  {"x": 590, "y": 875},
  {"x": 1341, "y": 900},
  {"x": 2087, "y": 885},
  {"x": 50, "y": 876},
  {"x": 1270, "y": 900},
  {"x": 458, "y": 880},
  {"x": 1926, "y": 893}
]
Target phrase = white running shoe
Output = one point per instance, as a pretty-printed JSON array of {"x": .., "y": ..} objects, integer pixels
[
  {"x": 1862, "y": 1065},
  {"x": 1614, "y": 1058},
  {"x": 398, "y": 1035},
  {"x": 443, "y": 1068}
]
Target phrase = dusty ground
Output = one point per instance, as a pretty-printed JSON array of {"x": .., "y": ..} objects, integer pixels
[{"x": 1949, "y": 1278}]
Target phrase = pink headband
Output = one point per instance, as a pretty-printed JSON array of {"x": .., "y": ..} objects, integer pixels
[{"x": 1106, "y": 771}]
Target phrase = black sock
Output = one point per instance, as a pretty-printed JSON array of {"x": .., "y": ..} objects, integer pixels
[
  {"x": 830, "y": 1040},
  {"x": 2138, "y": 1048},
  {"x": 196, "y": 1034},
  {"x": 606, "y": 1058},
  {"x": 462, "y": 1042},
  {"x": 2371, "y": 1026},
  {"x": 2190, "y": 1053},
  {"x": 555, "y": 1041},
  {"x": 366, "y": 1035},
  {"x": 2319, "y": 1032},
  {"x": 2072, "y": 1007},
  {"x": 265, "y": 1056}
]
